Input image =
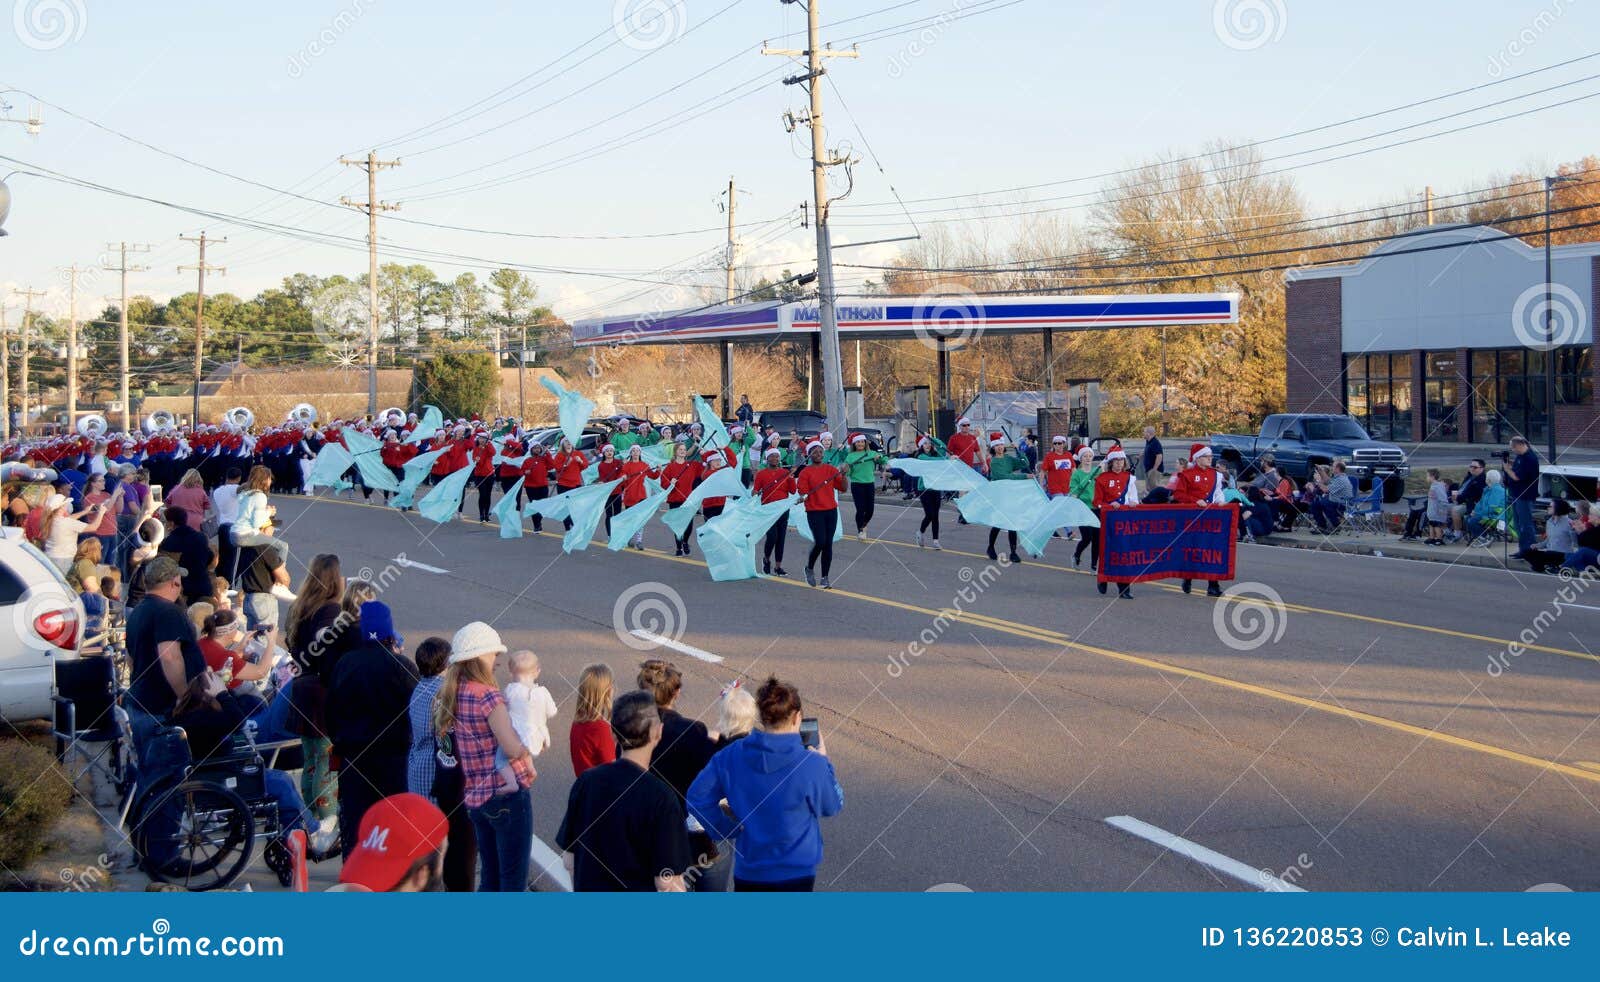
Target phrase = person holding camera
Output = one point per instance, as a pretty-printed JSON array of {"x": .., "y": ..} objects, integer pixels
[{"x": 1521, "y": 468}]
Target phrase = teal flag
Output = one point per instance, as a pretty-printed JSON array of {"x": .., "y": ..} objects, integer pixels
[
  {"x": 573, "y": 409},
  {"x": 730, "y": 541},
  {"x": 798, "y": 522},
  {"x": 724, "y": 483},
  {"x": 590, "y": 474},
  {"x": 1057, "y": 513},
  {"x": 416, "y": 471},
  {"x": 631, "y": 520},
  {"x": 444, "y": 501},
  {"x": 940, "y": 475},
  {"x": 432, "y": 421},
  {"x": 369, "y": 461},
  {"x": 1024, "y": 508},
  {"x": 715, "y": 435},
  {"x": 555, "y": 507},
  {"x": 656, "y": 455},
  {"x": 505, "y": 511},
  {"x": 585, "y": 506},
  {"x": 329, "y": 467}
]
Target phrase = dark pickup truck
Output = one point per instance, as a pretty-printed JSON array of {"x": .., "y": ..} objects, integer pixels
[
  {"x": 1300, "y": 441},
  {"x": 808, "y": 423}
]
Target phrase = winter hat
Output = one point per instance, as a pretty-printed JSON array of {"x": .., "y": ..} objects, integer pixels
[
  {"x": 377, "y": 623},
  {"x": 1199, "y": 450},
  {"x": 473, "y": 640}
]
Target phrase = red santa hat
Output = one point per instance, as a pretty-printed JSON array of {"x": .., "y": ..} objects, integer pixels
[{"x": 1199, "y": 450}]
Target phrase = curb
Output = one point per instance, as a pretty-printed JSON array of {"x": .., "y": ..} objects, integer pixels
[{"x": 1470, "y": 557}]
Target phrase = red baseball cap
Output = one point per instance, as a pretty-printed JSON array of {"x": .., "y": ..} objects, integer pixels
[{"x": 394, "y": 834}]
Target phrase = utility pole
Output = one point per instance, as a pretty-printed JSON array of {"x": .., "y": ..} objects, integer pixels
[
  {"x": 5, "y": 376},
  {"x": 821, "y": 160},
  {"x": 522, "y": 373},
  {"x": 1427, "y": 205},
  {"x": 727, "y": 346},
  {"x": 27, "y": 326},
  {"x": 72, "y": 344},
  {"x": 123, "y": 249},
  {"x": 199, "y": 316},
  {"x": 372, "y": 206}
]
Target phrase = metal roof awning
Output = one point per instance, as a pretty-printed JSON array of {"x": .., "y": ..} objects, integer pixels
[{"x": 955, "y": 319}]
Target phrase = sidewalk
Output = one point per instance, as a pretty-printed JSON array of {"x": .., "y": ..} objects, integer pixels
[{"x": 1494, "y": 557}]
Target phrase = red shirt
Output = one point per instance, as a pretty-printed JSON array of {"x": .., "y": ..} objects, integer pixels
[
  {"x": 483, "y": 460},
  {"x": 592, "y": 745},
  {"x": 392, "y": 455},
  {"x": 633, "y": 474},
  {"x": 217, "y": 656},
  {"x": 679, "y": 480},
  {"x": 773, "y": 484},
  {"x": 511, "y": 449},
  {"x": 611, "y": 470},
  {"x": 1057, "y": 469},
  {"x": 1195, "y": 486},
  {"x": 569, "y": 468},
  {"x": 820, "y": 484},
  {"x": 536, "y": 471},
  {"x": 964, "y": 447},
  {"x": 1110, "y": 487}
]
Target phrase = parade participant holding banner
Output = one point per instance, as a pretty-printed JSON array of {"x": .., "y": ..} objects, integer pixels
[
  {"x": 774, "y": 483},
  {"x": 860, "y": 466},
  {"x": 679, "y": 479},
  {"x": 1005, "y": 467},
  {"x": 569, "y": 465},
  {"x": 483, "y": 474},
  {"x": 819, "y": 484},
  {"x": 1114, "y": 488},
  {"x": 536, "y": 479},
  {"x": 1199, "y": 484},
  {"x": 710, "y": 462},
  {"x": 1081, "y": 487},
  {"x": 511, "y": 453},
  {"x": 610, "y": 469},
  {"x": 633, "y": 490}
]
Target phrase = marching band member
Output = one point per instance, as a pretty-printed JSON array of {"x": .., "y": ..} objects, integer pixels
[
  {"x": 1113, "y": 488},
  {"x": 930, "y": 498},
  {"x": 861, "y": 469},
  {"x": 710, "y": 462},
  {"x": 1082, "y": 487},
  {"x": 568, "y": 465},
  {"x": 1198, "y": 484},
  {"x": 1005, "y": 467},
  {"x": 740, "y": 442},
  {"x": 482, "y": 474},
  {"x": 536, "y": 479},
  {"x": 633, "y": 471},
  {"x": 611, "y": 470},
  {"x": 509, "y": 472},
  {"x": 623, "y": 438},
  {"x": 774, "y": 483},
  {"x": 679, "y": 478},
  {"x": 819, "y": 484}
]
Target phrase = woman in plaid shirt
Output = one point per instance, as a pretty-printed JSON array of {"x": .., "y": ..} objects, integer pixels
[{"x": 470, "y": 718}]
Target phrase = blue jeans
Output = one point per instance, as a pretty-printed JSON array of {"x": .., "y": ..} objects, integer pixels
[
  {"x": 717, "y": 877},
  {"x": 504, "y": 827},
  {"x": 1580, "y": 559},
  {"x": 260, "y": 612},
  {"x": 291, "y": 807},
  {"x": 1522, "y": 516}
]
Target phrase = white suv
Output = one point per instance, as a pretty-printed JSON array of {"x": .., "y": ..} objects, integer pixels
[{"x": 41, "y": 620}]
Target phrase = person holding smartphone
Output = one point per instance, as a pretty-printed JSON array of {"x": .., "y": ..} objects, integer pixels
[{"x": 768, "y": 793}]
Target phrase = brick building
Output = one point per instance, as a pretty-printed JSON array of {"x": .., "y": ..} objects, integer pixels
[{"x": 1440, "y": 336}]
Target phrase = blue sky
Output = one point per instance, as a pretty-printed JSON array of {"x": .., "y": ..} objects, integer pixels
[{"x": 1000, "y": 94}]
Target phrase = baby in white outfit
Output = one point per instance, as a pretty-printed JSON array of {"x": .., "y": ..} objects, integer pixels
[{"x": 531, "y": 708}]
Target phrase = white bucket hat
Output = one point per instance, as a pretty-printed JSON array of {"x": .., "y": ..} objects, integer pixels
[{"x": 473, "y": 640}]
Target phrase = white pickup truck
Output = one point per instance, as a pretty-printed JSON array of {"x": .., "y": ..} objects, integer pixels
[{"x": 41, "y": 622}]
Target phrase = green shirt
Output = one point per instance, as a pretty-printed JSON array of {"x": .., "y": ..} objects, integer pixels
[
  {"x": 622, "y": 441},
  {"x": 861, "y": 466},
  {"x": 1083, "y": 484},
  {"x": 651, "y": 439},
  {"x": 928, "y": 455},
  {"x": 1008, "y": 467}
]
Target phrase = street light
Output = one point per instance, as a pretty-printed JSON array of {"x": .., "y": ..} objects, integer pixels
[{"x": 1550, "y": 184}]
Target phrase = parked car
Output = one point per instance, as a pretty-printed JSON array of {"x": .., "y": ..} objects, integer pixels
[
  {"x": 589, "y": 442},
  {"x": 1300, "y": 441},
  {"x": 41, "y": 623},
  {"x": 808, "y": 423},
  {"x": 1574, "y": 482}
]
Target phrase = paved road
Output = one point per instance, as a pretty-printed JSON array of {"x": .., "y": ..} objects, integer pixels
[{"x": 1335, "y": 722}]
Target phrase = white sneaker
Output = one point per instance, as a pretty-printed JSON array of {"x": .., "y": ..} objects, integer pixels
[
  {"x": 861, "y": 536},
  {"x": 937, "y": 546},
  {"x": 282, "y": 592},
  {"x": 919, "y": 540},
  {"x": 325, "y": 838}
]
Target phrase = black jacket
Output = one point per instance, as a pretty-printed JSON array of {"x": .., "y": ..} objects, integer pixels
[
  {"x": 368, "y": 697},
  {"x": 685, "y": 749}
]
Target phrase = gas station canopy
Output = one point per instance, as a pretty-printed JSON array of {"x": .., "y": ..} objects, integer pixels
[{"x": 954, "y": 319}]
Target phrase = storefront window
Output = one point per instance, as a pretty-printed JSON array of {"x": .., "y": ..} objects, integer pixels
[
  {"x": 1509, "y": 395},
  {"x": 1378, "y": 394}
]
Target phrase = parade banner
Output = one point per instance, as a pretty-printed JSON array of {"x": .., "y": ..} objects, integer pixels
[{"x": 1162, "y": 542}]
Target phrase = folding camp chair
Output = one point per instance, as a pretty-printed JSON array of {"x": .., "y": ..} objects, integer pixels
[{"x": 1365, "y": 514}]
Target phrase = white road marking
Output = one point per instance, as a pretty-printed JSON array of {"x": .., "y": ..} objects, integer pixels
[
  {"x": 1577, "y": 606},
  {"x": 679, "y": 646},
  {"x": 548, "y": 862},
  {"x": 413, "y": 564},
  {"x": 1260, "y": 879}
]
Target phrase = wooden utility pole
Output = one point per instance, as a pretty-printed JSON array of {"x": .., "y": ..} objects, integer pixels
[
  {"x": 199, "y": 316},
  {"x": 72, "y": 344},
  {"x": 27, "y": 344},
  {"x": 727, "y": 346},
  {"x": 821, "y": 160},
  {"x": 123, "y": 249},
  {"x": 372, "y": 206}
]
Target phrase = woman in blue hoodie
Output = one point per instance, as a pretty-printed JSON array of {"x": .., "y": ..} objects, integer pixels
[{"x": 768, "y": 793}]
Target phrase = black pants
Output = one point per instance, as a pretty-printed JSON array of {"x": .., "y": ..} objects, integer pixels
[
  {"x": 566, "y": 523},
  {"x": 613, "y": 507},
  {"x": 227, "y": 552},
  {"x": 773, "y": 547},
  {"x": 748, "y": 477},
  {"x": 823, "y": 524},
  {"x": 688, "y": 530},
  {"x": 1088, "y": 538},
  {"x": 805, "y": 884},
  {"x": 461, "y": 851},
  {"x": 865, "y": 495},
  {"x": 1011, "y": 537},
  {"x": 507, "y": 483},
  {"x": 711, "y": 511},
  {"x": 485, "y": 494},
  {"x": 377, "y": 777},
  {"x": 930, "y": 512},
  {"x": 538, "y": 493}
]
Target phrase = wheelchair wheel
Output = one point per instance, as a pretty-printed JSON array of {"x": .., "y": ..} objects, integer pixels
[{"x": 194, "y": 834}]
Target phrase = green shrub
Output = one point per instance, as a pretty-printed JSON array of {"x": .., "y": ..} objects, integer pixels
[{"x": 34, "y": 794}]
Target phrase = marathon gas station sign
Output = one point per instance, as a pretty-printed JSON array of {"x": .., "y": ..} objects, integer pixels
[{"x": 954, "y": 318}]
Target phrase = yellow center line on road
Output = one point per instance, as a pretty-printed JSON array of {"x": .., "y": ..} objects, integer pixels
[{"x": 1042, "y": 634}]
